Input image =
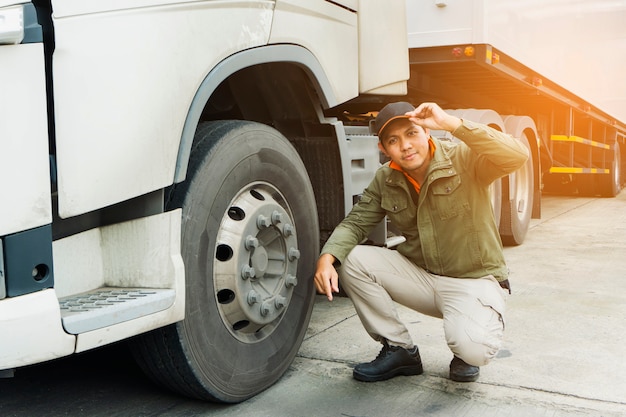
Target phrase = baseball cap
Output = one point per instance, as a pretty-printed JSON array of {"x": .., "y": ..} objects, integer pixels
[{"x": 390, "y": 112}]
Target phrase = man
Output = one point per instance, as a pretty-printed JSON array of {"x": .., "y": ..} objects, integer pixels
[{"x": 451, "y": 265}]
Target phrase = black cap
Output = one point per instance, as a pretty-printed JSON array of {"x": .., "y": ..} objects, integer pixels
[{"x": 390, "y": 112}]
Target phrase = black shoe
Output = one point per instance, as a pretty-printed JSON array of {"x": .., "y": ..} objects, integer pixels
[
  {"x": 463, "y": 372},
  {"x": 391, "y": 361}
]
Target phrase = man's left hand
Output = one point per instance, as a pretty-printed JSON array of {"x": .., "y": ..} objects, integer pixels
[{"x": 506, "y": 285}]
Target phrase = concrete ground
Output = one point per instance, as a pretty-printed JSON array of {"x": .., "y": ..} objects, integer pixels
[{"x": 563, "y": 350}]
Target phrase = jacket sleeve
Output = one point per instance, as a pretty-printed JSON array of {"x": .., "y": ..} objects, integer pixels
[
  {"x": 497, "y": 154},
  {"x": 358, "y": 224}
]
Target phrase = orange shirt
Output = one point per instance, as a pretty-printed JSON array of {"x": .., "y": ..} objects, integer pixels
[{"x": 416, "y": 185}]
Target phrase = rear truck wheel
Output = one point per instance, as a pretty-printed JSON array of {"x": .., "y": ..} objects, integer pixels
[
  {"x": 249, "y": 240},
  {"x": 517, "y": 190},
  {"x": 609, "y": 185}
]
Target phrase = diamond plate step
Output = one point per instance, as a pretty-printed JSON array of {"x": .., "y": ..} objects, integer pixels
[{"x": 109, "y": 305}]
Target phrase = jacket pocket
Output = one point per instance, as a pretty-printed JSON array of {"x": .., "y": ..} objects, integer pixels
[
  {"x": 449, "y": 198},
  {"x": 400, "y": 212}
]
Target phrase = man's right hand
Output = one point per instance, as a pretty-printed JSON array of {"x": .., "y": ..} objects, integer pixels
[
  {"x": 326, "y": 278},
  {"x": 431, "y": 116}
]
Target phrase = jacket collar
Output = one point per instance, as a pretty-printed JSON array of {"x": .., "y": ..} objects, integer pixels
[{"x": 441, "y": 164}]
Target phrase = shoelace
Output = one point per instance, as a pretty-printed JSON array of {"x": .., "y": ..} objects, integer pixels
[{"x": 385, "y": 351}]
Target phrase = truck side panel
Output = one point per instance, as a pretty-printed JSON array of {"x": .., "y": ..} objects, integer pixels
[
  {"x": 317, "y": 26},
  {"x": 383, "y": 61},
  {"x": 118, "y": 125},
  {"x": 24, "y": 166},
  {"x": 380, "y": 67}
]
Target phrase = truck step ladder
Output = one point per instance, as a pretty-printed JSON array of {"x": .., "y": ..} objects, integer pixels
[{"x": 107, "y": 306}]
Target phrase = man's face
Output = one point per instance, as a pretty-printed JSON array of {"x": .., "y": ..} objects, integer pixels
[{"x": 407, "y": 145}]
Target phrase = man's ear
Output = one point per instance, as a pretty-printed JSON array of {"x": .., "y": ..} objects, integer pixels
[{"x": 382, "y": 149}]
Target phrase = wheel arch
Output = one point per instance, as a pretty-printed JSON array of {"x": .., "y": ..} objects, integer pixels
[
  {"x": 292, "y": 54},
  {"x": 285, "y": 87}
]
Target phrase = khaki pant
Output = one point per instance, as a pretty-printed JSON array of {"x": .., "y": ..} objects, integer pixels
[{"x": 472, "y": 309}]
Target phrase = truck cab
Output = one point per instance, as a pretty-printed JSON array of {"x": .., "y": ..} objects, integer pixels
[{"x": 166, "y": 168}]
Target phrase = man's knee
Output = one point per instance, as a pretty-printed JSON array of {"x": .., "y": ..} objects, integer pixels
[
  {"x": 354, "y": 266},
  {"x": 475, "y": 354},
  {"x": 476, "y": 343}
]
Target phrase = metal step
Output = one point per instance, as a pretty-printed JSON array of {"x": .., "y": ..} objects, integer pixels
[{"x": 111, "y": 305}]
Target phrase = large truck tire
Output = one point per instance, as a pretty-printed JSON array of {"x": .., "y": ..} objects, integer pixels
[
  {"x": 249, "y": 241},
  {"x": 611, "y": 184},
  {"x": 517, "y": 188}
]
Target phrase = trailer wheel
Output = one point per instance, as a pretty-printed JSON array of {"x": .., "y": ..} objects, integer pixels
[
  {"x": 610, "y": 184},
  {"x": 250, "y": 238},
  {"x": 517, "y": 201}
]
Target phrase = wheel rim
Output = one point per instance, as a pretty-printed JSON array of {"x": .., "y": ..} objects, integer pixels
[{"x": 255, "y": 263}]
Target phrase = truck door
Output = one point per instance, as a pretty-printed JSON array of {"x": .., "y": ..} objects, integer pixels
[{"x": 25, "y": 205}]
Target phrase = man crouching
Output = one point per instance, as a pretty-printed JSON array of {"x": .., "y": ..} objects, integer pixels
[{"x": 451, "y": 265}]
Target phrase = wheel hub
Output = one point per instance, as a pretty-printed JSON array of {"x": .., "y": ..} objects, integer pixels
[{"x": 255, "y": 262}]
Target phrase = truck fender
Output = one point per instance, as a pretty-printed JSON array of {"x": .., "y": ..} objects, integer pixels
[{"x": 262, "y": 55}]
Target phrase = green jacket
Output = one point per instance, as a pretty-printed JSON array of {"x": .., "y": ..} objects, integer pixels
[{"x": 451, "y": 230}]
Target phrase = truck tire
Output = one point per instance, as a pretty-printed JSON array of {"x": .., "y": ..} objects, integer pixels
[
  {"x": 250, "y": 238},
  {"x": 610, "y": 184},
  {"x": 517, "y": 201}
]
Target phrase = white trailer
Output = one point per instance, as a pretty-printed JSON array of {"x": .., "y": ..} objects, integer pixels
[{"x": 550, "y": 72}]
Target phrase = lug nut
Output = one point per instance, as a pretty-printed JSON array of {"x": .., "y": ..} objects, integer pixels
[
  {"x": 251, "y": 242},
  {"x": 253, "y": 297},
  {"x": 291, "y": 281},
  {"x": 265, "y": 308},
  {"x": 247, "y": 272},
  {"x": 287, "y": 230},
  {"x": 279, "y": 302},
  {"x": 277, "y": 217},
  {"x": 262, "y": 222},
  {"x": 294, "y": 254}
]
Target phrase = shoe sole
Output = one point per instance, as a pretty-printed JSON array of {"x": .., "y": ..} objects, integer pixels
[
  {"x": 465, "y": 378},
  {"x": 406, "y": 371}
]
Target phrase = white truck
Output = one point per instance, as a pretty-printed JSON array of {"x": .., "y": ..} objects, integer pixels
[
  {"x": 550, "y": 72},
  {"x": 167, "y": 168}
]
